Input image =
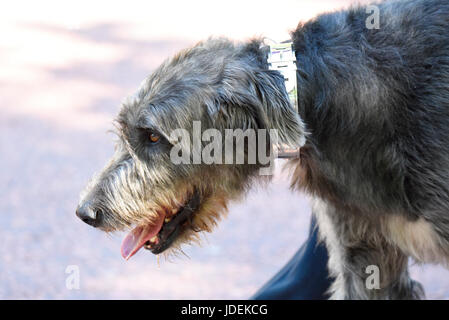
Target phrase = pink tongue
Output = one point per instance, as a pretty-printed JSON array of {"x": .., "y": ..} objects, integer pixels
[{"x": 138, "y": 236}]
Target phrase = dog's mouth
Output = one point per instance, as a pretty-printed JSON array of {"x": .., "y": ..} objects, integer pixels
[{"x": 159, "y": 236}]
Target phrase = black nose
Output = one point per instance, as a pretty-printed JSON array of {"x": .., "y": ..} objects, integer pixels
[{"x": 89, "y": 215}]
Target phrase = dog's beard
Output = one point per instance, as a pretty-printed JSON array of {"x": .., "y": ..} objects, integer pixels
[
  {"x": 160, "y": 234},
  {"x": 172, "y": 227}
]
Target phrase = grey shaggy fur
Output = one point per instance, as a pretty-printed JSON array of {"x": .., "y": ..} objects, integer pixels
[{"x": 373, "y": 107}]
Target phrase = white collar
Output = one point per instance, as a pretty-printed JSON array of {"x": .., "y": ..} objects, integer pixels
[{"x": 282, "y": 58}]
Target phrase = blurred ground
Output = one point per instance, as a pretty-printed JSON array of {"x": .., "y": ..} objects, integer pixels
[{"x": 64, "y": 68}]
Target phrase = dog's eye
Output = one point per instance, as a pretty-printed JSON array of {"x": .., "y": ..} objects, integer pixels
[{"x": 154, "y": 137}]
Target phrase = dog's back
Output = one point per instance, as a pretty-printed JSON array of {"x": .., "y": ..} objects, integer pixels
[{"x": 376, "y": 102}]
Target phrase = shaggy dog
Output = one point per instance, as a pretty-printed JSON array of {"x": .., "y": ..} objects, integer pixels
[{"x": 372, "y": 124}]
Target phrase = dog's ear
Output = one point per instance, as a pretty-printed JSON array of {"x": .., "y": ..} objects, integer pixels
[
  {"x": 258, "y": 98},
  {"x": 277, "y": 109}
]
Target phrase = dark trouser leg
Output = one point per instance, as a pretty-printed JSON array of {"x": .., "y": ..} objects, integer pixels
[{"x": 304, "y": 277}]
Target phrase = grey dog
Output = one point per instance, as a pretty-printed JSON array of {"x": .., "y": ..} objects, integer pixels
[{"x": 373, "y": 110}]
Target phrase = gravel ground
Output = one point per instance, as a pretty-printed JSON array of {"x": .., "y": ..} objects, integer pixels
[{"x": 63, "y": 72}]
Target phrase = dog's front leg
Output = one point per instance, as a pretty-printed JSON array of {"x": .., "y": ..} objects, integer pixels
[{"x": 363, "y": 264}]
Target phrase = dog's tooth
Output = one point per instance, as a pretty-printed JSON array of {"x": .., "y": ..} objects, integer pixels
[
  {"x": 153, "y": 239},
  {"x": 174, "y": 211},
  {"x": 167, "y": 219}
]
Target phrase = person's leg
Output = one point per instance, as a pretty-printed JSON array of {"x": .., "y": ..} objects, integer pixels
[{"x": 304, "y": 277}]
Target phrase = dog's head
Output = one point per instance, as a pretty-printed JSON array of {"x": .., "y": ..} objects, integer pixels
[{"x": 171, "y": 175}]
